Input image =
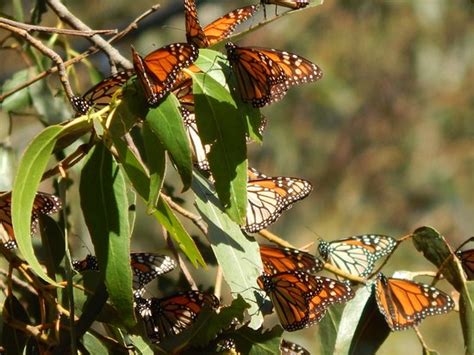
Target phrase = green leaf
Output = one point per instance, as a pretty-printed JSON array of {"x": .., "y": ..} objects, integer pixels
[
  {"x": 140, "y": 345},
  {"x": 156, "y": 162},
  {"x": 363, "y": 328},
  {"x": 220, "y": 124},
  {"x": 435, "y": 248},
  {"x": 52, "y": 108},
  {"x": 258, "y": 342},
  {"x": 167, "y": 124},
  {"x": 13, "y": 340},
  {"x": 238, "y": 256},
  {"x": 105, "y": 207},
  {"x": 30, "y": 171},
  {"x": 220, "y": 321},
  {"x": 163, "y": 213},
  {"x": 93, "y": 345},
  {"x": 328, "y": 328},
  {"x": 20, "y": 99}
]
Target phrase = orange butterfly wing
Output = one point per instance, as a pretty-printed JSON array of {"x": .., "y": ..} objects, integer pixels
[
  {"x": 467, "y": 261},
  {"x": 100, "y": 95},
  {"x": 194, "y": 31},
  {"x": 158, "y": 71},
  {"x": 406, "y": 303},
  {"x": 276, "y": 259}
]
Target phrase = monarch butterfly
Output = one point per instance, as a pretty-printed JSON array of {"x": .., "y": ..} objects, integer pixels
[
  {"x": 268, "y": 197},
  {"x": 276, "y": 260},
  {"x": 300, "y": 299},
  {"x": 265, "y": 75},
  {"x": 289, "y": 348},
  {"x": 291, "y": 4},
  {"x": 218, "y": 29},
  {"x": 145, "y": 268},
  {"x": 198, "y": 149},
  {"x": 100, "y": 95},
  {"x": 406, "y": 303},
  {"x": 157, "y": 71},
  {"x": 467, "y": 259},
  {"x": 357, "y": 255},
  {"x": 164, "y": 317},
  {"x": 43, "y": 204}
]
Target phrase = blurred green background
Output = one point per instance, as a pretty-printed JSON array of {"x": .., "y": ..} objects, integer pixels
[{"x": 386, "y": 136}]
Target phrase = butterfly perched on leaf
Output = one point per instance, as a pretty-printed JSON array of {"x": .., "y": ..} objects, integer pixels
[
  {"x": 157, "y": 72},
  {"x": 290, "y": 348},
  {"x": 301, "y": 299},
  {"x": 217, "y": 30},
  {"x": 357, "y": 255},
  {"x": 277, "y": 259},
  {"x": 269, "y": 196},
  {"x": 101, "y": 94},
  {"x": 406, "y": 303},
  {"x": 145, "y": 268},
  {"x": 467, "y": 259},
  {"x": 43, "y": 204},
  {"x": 166, "y": 317},
  {"x": 265, "y": 75}
]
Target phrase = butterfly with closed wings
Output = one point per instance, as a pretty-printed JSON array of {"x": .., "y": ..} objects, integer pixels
[
  {"x": 43, "y": 203},
  {"x": 169, "y": 316},
  {"x": 406, "y": 303},
  {"x": 277, "y": 259},
  {"x": 301, "y": 299},
  {"x": 268, "y": 197},
  {"x": 357, "y": 255},
  {"x": 101, "y": 94},
  {"x": 157, "y": 72},
  {"x": 217, "y": 30},
  {"x": 145, "y": 268},
  {"x": 265, "y": 75},
  {"x": 467, "y": 259}
]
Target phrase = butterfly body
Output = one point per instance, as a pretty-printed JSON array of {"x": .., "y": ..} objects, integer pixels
[
  {"x": 291, "y": 4},
  {"x": 158, "y": 71},
  {"x": 145, "y": 268},
  {"x": 100, "y": 95},
  {"x": 169, "y": 316},
  {"x": 406, "y": 303},
  {"x": 43, "y": 203},
  {"x": 217, "y": 30},
  {"x": 300, "y": 299},
  {"x": 265, "y": 75},
  {"x": 277, "y": 259},
  {"x": 357, "y": 255},
  {"x": 268, "y": 197}
]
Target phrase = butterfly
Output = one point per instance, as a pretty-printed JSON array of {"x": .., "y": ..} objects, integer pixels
[
  {"x": 467, "y": 259},
  {"x": 43, "y": 204},
  {"x": 157, "y": 72},
  {"x": 301, "y": 299},
  {"x": 357, "y": 255},
  {"x": 406, "y": 303},
  {"x": 276, "y": 259},
  {"x": 165, "y": 317},
  {"x": 268, "y": 197},
  {"x": 292, "y": 4},
  {"x": 145, "y": 268},
  {"x": 100, "y": 95},
  {"x": 218, "y": 29},
  {"x": 290, "y": 348},
  {"x": 265, "y": 75}
]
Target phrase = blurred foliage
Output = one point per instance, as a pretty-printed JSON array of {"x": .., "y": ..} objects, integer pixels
[{"x": 386, "y": 136}]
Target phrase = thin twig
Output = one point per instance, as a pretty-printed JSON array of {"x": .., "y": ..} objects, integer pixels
[
  {"x": 80, "y": 57},
  {"x": 66, "y": 16},
  {"x": 63, "y": 31},
  {"x": 196, "y": 219},
  {"x": 265, "y": 233},
  {"x": 181, "y": 263},
  {"x": 19, "y": 282},
  {"x": 55, "y": 57}
]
